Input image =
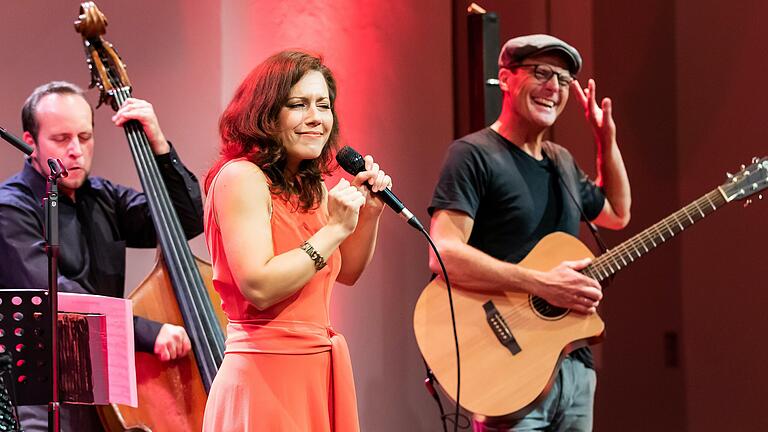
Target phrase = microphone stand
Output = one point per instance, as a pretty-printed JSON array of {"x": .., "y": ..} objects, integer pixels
[
  {"x": 27, "y": 150},
  {"x": 51, "y": 202}
]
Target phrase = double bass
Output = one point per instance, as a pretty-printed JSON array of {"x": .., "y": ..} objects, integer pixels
[{"x": 171, "y": 394}]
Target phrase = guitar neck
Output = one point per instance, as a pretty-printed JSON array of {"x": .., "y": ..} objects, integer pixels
[{"x": 624, "y": 254}]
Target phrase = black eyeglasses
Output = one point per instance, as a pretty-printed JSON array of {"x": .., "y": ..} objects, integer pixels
[{"x": 544, "y": 73}]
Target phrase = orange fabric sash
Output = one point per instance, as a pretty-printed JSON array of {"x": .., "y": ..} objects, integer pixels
[{"x": 301, "y": 337}]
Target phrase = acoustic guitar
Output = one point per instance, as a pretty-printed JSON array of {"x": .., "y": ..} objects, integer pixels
[{"x": 511, "y": 343}]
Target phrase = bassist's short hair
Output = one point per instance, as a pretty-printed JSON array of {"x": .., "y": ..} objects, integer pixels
[{"x": 29, "y": 110}]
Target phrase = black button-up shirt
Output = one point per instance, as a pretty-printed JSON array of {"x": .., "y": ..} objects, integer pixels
[{"x": 94, "y": 231}]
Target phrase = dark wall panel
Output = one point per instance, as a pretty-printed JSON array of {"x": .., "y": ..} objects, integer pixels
[
  {"x": 640, "y": 387},
  {"x": 721, "y": 118}
]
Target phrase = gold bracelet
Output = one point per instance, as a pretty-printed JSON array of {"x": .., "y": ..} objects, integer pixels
[{"x": 315, "y": 255}]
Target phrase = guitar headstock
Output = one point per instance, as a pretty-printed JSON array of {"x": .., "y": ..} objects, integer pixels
[
  {"x": 107, "y": 69},
  {"x": 747, "y": 182}
]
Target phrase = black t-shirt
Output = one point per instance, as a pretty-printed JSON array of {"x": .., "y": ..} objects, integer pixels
[{"x": 513, "y": 198}]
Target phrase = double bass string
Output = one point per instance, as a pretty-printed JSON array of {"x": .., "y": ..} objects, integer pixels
[
  {"x": 207, "y": 355},
  {"x": 209, "y": 344}
]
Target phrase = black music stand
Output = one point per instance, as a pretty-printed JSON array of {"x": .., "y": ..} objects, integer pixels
[
  {"x": 9, "y": 417},
  {"x": 25, "y": 332},
  {"x": 50, "y": 202}
]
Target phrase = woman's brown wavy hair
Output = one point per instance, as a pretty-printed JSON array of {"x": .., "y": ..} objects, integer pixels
[{"x": 249, "y": 127}]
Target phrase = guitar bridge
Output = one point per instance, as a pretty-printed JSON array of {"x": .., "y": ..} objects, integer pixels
[{"x": 500, "y": 328}]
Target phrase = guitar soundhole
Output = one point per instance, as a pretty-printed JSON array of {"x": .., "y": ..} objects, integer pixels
[{"x": 546, "y": 310}]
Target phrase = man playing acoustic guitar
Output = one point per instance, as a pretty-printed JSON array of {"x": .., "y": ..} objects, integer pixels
[{"x": 505, "y": 187}]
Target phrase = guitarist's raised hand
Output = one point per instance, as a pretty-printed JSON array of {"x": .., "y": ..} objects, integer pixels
[
  {"x": 600, "y": 116},
  {"x": 611, "y": 172},
  {"x": 564, "y": 286}
]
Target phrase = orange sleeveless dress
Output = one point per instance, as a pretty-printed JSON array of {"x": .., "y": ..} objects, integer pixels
[{"x": 285, "y": 368}]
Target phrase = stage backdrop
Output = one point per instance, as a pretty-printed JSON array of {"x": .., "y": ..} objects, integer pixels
[{"x": 684, "y": 350}]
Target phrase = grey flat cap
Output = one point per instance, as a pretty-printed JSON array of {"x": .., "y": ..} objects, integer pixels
[{"x": 519, "y": 48}]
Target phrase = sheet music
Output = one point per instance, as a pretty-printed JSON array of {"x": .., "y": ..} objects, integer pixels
[{"x": 121, "y": 363}]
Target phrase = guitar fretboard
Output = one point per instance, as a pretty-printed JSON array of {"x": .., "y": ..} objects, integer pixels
[{"x": 624, "y": 254}]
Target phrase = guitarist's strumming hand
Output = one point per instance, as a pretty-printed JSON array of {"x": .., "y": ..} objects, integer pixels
[{"x": 566, "y": 287}]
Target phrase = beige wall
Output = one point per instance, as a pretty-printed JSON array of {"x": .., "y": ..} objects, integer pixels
[
  {"x": 172, "y": 53},
  {"x": 187, "y": 58},
  {"x": 394, "y": 103}
]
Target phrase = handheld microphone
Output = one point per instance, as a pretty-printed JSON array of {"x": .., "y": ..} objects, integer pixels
[{"x": 349, "y": 159}]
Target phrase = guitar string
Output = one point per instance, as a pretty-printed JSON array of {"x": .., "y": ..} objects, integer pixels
[
  {"x": 693, "y": 212},
  {"x": 601, "y": 268},
  {"x": 658, "y": 232}
]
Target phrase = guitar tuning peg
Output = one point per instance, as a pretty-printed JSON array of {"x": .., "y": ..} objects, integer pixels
[
  {"x": 729, "y": 175},
  {"x": 743, "y": 166},
  {"x": 755, "y": 159}
]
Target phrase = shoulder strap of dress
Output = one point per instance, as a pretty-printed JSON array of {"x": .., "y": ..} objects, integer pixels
[{"x": 212, "y": 188}]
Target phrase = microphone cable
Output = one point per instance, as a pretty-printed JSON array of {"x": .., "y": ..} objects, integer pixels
[
  {"x": 430, "y": 377},
  {"x": 353, "y": 163}
]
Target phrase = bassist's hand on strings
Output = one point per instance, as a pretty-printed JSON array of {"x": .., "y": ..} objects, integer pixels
[
  {"x": 564, "y": 286},
  {"x": 143, "y": 112},
  {"x": 172, "y": 342}
]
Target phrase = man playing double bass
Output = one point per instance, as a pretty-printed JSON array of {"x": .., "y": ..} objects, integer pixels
[{"x": 97, "y": 220}]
